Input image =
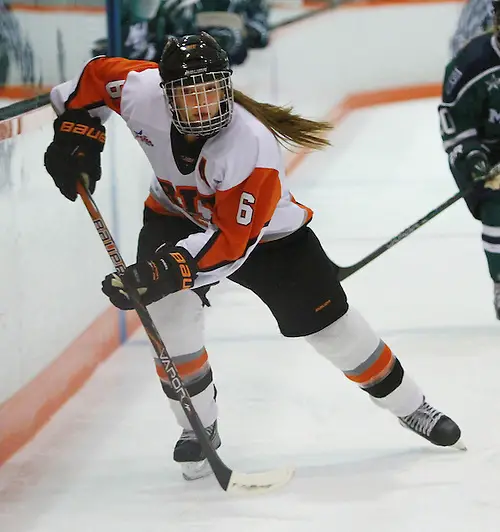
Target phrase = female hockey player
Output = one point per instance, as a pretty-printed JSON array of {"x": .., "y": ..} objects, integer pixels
[
  {"x": 220, "y": 207},
  {"x": 470, "y": 128}
]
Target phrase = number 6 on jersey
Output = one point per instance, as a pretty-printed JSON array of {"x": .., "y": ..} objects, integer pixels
[{"x": 245, "y": 210}]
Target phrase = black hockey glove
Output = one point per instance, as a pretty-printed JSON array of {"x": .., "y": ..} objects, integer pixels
[
  {"x": 171, "y": 269},
  {"x": 477, "y": 165},
  {"x": 76, "y": 149},
  {"x": 257, "y": 31}
]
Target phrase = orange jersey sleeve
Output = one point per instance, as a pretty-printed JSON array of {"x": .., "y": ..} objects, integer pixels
[
  {"x": 101, "y": 82},
  {"x": 240, "y": 214}
]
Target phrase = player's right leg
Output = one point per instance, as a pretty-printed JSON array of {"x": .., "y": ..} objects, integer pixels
[
  {"x": 179, "y": 318},
  {"x": 180, "y": 321}
]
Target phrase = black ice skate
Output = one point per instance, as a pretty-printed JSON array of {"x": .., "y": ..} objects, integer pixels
[
  {"x": 189, "y": 454},
  {"x": 496, "y": 300},
  {"x": 434, "y": 426}
]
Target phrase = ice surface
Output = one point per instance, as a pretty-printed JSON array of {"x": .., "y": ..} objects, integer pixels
[{"x": 104, "y": 462}]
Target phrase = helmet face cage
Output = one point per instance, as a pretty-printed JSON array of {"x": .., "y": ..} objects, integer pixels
[{"x": 201, "y": 104}]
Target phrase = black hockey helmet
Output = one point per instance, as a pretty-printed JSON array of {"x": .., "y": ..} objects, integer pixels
[
  {"x": 196, "y": 82},
  {"x": 190, "y": 55}
]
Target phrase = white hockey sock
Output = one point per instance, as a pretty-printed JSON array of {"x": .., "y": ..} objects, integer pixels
[
  {"x": 205, "y": 407},
  {"x": 404, "y": 400},
  {"x": 354, "y": 348},
  {"x": 180, "y": 320}
]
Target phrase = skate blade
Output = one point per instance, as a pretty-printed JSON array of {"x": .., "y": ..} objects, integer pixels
[
  {"x": 459, "y": 445},
  {"x": 195, "y": 470}
]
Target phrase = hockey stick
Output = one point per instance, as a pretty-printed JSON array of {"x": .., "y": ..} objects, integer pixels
[
  {"x": 347, "y": 271},
  {"x": 228, "y": 479}
]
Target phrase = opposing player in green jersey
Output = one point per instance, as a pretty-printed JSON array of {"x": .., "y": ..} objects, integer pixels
[{"x": 470, "y": 128}]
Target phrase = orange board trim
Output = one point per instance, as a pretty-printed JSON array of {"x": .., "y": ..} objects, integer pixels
[
  {"x": 24, "y": 414},
  {"x": 29, "y": 409},
  {"x": 382, "y": 3},
  {"x": 359, "y": 100},
  {"x": 59, "y": 8},
  {"x": 22, "y": 92}
]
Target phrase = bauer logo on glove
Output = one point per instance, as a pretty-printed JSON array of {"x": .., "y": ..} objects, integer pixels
[
  {"x": 184, "y": 269},
  {"x": 76, "y": 150},
  {"x": 83, "y": 129},
  {"x": 168, "y": 271}
]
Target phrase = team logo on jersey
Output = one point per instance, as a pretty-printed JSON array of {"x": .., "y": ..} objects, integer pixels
[
  {"x": 493, "y": 83},
  {"x": 142, "y": 137},
  {"x": 493, "y": 116}
]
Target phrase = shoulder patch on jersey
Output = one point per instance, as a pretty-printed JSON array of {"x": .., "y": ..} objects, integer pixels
[
  {"x": 477, "y": 57},
  {"x": 453, "y": 78}
]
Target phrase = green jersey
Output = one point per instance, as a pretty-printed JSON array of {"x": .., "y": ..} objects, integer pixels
[{"x": 470, "y": 109}]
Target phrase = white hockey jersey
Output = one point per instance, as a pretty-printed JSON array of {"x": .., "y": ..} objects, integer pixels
[{"x": 237, "y": 190}]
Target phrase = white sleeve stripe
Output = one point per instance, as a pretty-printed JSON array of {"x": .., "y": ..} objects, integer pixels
[
  {"x": 458, "y": 138},
  {"x": 491, "y": 230},
  {"x": 468, "y": 85},
  {"x": 492, "y": 248}
]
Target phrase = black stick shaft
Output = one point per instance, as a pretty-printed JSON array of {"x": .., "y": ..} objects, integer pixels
[{"x": 347, "y": 271}]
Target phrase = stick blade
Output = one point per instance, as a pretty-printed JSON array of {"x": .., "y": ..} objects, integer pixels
[{"x": 259, "y": 483}]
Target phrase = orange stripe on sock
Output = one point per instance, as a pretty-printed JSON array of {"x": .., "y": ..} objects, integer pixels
[
  {"x": 185, "y": 370},
  {"x": 377, "y": 370}
]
